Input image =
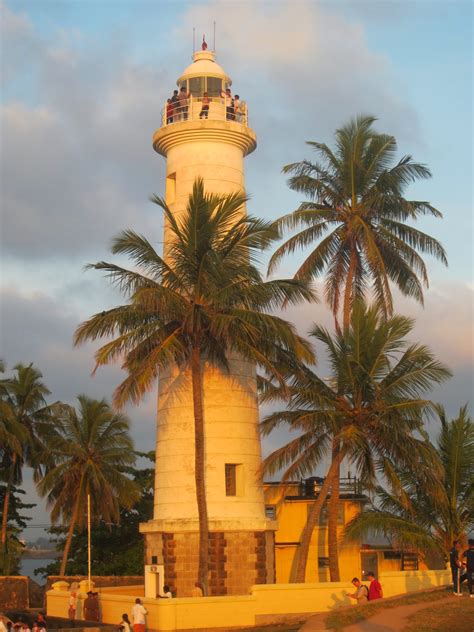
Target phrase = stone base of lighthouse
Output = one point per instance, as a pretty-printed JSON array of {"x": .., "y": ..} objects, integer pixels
[{"x": 238, "y": 559}]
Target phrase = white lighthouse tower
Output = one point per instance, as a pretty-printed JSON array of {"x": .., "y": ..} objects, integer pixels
[{"x": 211, "y": 145}]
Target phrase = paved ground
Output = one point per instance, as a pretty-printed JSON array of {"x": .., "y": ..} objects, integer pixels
[{"x": 391, "y": 620}]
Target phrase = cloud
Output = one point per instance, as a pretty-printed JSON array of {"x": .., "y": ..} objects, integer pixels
[{"x": 80, "y": 163}]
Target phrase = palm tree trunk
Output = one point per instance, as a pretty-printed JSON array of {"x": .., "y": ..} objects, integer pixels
[
  {"x": 6, "y": 503},
  {"x": 313, "y": 520},
  {"x": 333, "y": 511},
  {"x": 67, "y": 545},
  {"x": 199, "y": 469},
  {"x": 348, "y": 290}
]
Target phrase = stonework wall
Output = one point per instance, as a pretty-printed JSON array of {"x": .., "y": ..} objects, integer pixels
[
  {"x": 237, "y": 560},
  {"x": 14, "y": 594}
]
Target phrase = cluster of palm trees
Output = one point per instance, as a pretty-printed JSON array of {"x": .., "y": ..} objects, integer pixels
[
  {"x": 72, "y": 453},
  {"x": 205, "y": 299}
]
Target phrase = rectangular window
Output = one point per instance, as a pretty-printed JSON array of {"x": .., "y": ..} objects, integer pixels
[
  {"x": 323, "y": 517},
  {"x": 214, "y": 86},
  {"x": 196, "y": 86},
  {"x": 270, "y": 512},
  {"x": 323, "y": 562},
  {"x": 170, "y": 192},
  {"x": 230, "y": 479}
]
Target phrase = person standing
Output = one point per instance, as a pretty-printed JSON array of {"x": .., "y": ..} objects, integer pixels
[
  {"x": 138, "y": 615},
  {"x": 236, "y": 105},
  {"x": 361, "y": 594},
  {"x": 375, "y": 587},
  {"x": 468, "y": 556},
  {"x": 71, "y": 613},
  {"x": 169, "y": 112},
  {"x": 228, "y": 101},
  {"x": 183, "y": 103},
  {"x": 125, "y": 623},
  {"x": 205, "y": 106},
  {"x": 88, "y": 606},
  {"x": 175, "y": 105},
  {"x": 455, "y": 564}
]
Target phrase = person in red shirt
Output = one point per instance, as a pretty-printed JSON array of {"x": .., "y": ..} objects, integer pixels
[{"x": 375, "y": 588}]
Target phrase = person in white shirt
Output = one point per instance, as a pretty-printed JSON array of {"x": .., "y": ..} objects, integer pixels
[{"x": 138, "y": 616}]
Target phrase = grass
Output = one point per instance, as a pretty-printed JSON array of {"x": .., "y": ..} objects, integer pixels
[
  {"x": 338, "y": 619},
  {"x": 457, "y": 615}
]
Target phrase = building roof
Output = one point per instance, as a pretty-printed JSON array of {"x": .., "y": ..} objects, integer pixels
[{"x": 204, "y": 65}]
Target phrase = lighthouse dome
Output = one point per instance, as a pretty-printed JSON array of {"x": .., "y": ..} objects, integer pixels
[{"x": 204, "y": 75}]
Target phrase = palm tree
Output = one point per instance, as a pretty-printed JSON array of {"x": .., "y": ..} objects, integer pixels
[
  {"x": 358, "y": 213},
  {"x": 24, "y": 418},
  {"x": 368, "y": 413},
  {"x": 204, "y": 301},
  {"x": 420, "y": 514},
  {"x": 356, "y": 195},
  {"x": 90, "y": 450}
]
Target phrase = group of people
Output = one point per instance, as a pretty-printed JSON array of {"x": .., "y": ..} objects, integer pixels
[
  {"x": 39, "y": 625},
  {"x": 139, "y": 612},
  {"x": 462, "y": 567},
  {"x": 364, "y": 593},
  {"x": 177, "y": 106}
]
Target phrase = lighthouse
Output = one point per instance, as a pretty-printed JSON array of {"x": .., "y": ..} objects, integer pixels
[{"x": 202, "y": 136}]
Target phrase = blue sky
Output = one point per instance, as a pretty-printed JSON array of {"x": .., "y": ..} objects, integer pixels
[{"x": 83, "y": 85}]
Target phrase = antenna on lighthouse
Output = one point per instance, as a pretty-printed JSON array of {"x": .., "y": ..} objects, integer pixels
[
  {"x": 214, "y": 36},
  {"x": 194, "y": 39}
]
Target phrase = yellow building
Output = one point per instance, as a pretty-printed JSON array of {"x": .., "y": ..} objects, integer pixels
[{"x": 289, "y": 504}]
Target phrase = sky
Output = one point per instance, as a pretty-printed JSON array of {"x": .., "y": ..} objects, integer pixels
[{"x": 83, "y": 83}]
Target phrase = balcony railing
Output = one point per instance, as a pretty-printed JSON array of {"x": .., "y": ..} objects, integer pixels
[
  {"x": 311, "y": 487},
  {"x": 192, "y": 110}
]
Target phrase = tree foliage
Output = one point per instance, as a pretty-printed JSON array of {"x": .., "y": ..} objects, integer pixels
[
  {"x": 358, "y": 214},
  {"x": 371, "y": 409},
  {"x": 429, "y": 502}
]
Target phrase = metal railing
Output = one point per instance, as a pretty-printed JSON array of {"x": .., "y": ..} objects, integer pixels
[
  {"x": 193, "y": 109},
  {"x": 311, "y": 487}
]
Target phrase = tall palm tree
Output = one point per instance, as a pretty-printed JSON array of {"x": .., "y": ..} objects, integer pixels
[
  {"x": 89, "y": 450},
  {"x": 358, "y": 213},
  {"x": 415, "y": 512},
  {"x": 367, "y": 413},
  {"x": 204, "y": 300},
  {"x": 24, "y": 418}
]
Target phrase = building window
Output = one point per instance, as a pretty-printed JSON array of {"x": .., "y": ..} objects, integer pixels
[
  {"x": 323, "y": 562},
  {"x": 270, "y": 512},
  {"x": 323, "y": 517},
  {"x": 170, "y": 191},
  {"x": 230, "y": 479},
  {"x": 392, "y": 555},
  {"x": 214, "y": 86},
  {"x": 197, "y": 86}
]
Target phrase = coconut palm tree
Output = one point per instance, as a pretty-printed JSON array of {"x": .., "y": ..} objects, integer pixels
[
  {"x": 415, "y": 512},
  {"x": 200, "y": 303},
  {"x": 24, "y": 419},
  {"x": 90, "y": 450},
  {"x": 357, "y": 213},
  {"x": 368, "y": 413}
]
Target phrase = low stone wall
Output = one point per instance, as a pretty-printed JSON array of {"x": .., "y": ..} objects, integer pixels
[
  {"x": 266, "y": 604},
  {"x": 99, "y": 580},
  {"x": 14, "y": 592}
]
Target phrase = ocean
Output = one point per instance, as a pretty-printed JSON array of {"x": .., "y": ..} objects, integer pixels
[{"x": 28, "y": 566}]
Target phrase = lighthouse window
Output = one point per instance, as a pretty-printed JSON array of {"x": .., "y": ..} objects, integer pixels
[
  {"x": 230, "y": 479},
  {"x": 214, "y": 86},
  {"x": 196, "y": 86}
]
